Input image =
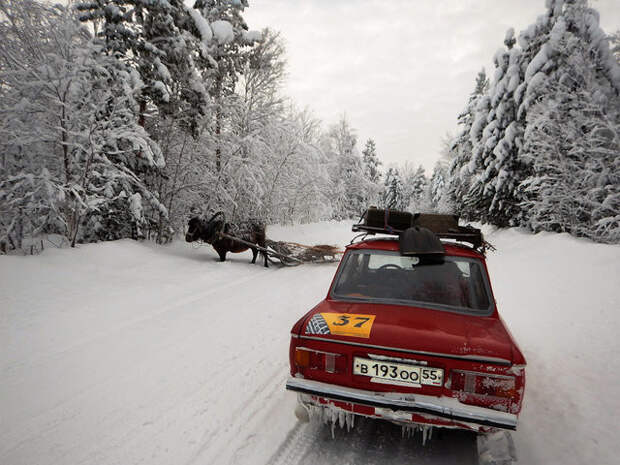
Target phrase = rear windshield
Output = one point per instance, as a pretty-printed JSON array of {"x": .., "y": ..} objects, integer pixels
[{"x": 456, "y": 284}]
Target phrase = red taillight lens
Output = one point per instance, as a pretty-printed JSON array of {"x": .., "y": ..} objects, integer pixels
[
  {"x": 458, "y": 381},
  {"x": 316, "y": 360},
  {"x": 497, "y": 386},
  {"x": 483, "y": 384}
]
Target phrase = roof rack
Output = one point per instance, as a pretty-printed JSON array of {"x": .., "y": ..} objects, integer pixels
[{"x": 395, "y": 223}]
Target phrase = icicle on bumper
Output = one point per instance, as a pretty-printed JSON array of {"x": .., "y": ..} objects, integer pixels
[
  {"x": 330, "y": 414},
  {"x": 408, "y": 431}
]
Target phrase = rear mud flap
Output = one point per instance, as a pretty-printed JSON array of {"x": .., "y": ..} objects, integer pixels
[{"x": 496, "y": 448}]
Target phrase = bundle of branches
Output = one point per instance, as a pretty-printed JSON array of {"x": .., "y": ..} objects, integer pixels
[{"x": 292, "y": 253}]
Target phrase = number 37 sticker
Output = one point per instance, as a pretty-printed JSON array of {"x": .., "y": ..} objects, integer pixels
[{"x": 349, "y": 324}]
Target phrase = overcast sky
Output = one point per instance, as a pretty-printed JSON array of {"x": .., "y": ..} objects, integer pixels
[{"x": 401, "y": 70}]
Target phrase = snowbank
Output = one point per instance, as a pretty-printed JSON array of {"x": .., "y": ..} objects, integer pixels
[{"x": 560, "y": 297}]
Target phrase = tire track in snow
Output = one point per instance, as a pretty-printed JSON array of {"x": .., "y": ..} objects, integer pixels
[
  {"x": 241, "y": 416},
  {"x": 206, "y": 391},
  {"x": 43, "y": 359},
  {"x": 67, "y": 410},
  {"x": 371, "y": 442},
  {"x": 296, "y": 445}
]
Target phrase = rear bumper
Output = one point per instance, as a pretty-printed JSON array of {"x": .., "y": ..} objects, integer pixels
[{"x": 445, "y": 408}]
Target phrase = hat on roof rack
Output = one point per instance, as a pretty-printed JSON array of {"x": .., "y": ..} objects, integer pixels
[{"x": 420, "y": 241}]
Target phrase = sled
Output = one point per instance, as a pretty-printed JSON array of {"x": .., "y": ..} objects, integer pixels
[{"x": 292, "y": 253}]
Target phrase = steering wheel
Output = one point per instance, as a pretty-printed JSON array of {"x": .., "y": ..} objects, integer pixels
[{"x": 390, "y": 266}]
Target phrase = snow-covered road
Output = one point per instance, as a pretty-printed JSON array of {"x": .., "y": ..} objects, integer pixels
[{"x": 128, "y": 353}]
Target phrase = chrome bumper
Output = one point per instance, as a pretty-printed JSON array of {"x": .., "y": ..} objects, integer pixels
[{"x": 442, "y": 407}]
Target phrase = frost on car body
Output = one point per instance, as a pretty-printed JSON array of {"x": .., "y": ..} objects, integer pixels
[{"x": 409, "y": 332}]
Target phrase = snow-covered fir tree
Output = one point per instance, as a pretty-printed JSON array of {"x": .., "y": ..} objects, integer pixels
[
  {"x": 394, "y": 196},
  {"x": 372, "y": 172},
  {"x": 496, "y": 137},
  {"x": 416, "y": 195},
  {"x": 437, "y": 185},
  {"x": 371, "y": 161},
  {"x": 573, "y": 135},
  {"x": 439, "y": 198},
  {"x": 511, "y": 169},
  {"x": 615, "y": 45},
  {"x": 457, "y": 183}
]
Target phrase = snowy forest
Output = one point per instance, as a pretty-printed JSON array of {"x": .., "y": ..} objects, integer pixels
[
  {"x": 539, "y": 145},
  {"x": 121, "y": 118}
]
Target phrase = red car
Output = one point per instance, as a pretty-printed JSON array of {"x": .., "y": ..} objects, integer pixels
[{"x": 409, "y": 332}]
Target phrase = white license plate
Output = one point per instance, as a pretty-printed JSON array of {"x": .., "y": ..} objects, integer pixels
[{"x": 397, "y": 373}]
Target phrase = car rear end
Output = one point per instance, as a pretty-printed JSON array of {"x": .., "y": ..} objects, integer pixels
[
  {"x": 475, "y": 395},
  {"x": 414, "y": 363}
]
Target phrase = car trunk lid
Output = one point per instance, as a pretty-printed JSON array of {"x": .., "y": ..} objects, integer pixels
[{"x": 410, "y": 329}]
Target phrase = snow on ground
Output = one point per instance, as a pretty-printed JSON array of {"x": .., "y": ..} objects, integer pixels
[
  {"x": 560, "y": 296},
  {"x": 128, "y": 353}
]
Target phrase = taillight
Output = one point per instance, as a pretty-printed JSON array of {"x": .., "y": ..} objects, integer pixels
[
  {"x": 483, "y": 384},
  {"x": 302, "y": 358},
  {"x": 319, "y": 360}
]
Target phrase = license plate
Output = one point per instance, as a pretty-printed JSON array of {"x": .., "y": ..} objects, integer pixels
[{"x": 397, "y": 373}]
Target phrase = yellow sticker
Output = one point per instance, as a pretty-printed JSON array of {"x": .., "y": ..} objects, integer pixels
[{"x": 349, "y": 324}]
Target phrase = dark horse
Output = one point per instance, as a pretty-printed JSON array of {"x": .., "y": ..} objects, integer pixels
[{"x": 209, "y": 231}]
